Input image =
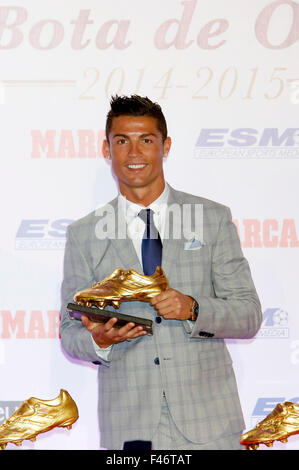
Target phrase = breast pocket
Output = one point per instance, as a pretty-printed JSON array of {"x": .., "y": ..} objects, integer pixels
[{"x": 198, "y": 260}]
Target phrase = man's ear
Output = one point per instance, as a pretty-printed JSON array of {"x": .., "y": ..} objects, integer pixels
[
  {"x": 166, "y": 146},
  {"x": 106, "y": 149}
]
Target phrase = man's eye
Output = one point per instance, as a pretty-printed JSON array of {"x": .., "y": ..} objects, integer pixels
[
  {"x": 121, "y": 141},
  {"x": 147, "y": 141}
]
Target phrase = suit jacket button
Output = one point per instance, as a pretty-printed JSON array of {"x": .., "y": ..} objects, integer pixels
[
  {"x": 158, "y": 319},
  {"x": 156, "y": 361},
  {"x": 206, "y": 334}
]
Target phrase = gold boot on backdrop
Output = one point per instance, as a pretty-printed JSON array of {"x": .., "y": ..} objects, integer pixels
[
  {"x": 123, "y": 285},
  {"x": 280, "y": 424},
  {"x": 36, "y": 416}
]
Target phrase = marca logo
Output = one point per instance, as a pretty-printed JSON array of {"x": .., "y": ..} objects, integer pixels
[
  {"x": 34, "y": 324},
  {"x": 265, "y": 405},
  {"x": 274, "y": 325},
  {"x": 67, "y": 143},
  {"x": 267, "y": 233},
  {"x": 7, "y": 408},
  {"x": 247, "y": 143},
  {"x": 41, "y": 234}
]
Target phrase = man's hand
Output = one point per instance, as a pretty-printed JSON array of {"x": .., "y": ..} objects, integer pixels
[
  {"x": 173, "y": 305},
  {"x": 104, "y": 334}
]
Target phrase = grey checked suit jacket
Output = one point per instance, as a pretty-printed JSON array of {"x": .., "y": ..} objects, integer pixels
[{"x": 193, "y": 368}]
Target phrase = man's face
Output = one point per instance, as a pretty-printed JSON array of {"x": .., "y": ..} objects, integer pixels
[{"x": 137, "y": 150}]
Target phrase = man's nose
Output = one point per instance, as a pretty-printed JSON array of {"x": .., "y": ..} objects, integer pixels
[{"x": 134, "y": 149}]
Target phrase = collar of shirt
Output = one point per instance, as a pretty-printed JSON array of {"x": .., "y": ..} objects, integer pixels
[{"x": 131, "y": 211}]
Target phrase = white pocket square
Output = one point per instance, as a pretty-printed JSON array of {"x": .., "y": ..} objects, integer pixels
[{"x": 193, "y": 244}]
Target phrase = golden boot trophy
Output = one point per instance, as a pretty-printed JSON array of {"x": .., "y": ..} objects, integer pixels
[
  {"x": 37, "y": 416},
  {"x": 279, "y": 425},
  {"x": 123, "y": 285}
]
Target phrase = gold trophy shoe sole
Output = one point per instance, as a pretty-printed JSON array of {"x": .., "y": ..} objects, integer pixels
[
  {"x": 279, "y": 425},
  {"x": 37, "y": 416},
  {"x": 123, "y": 285}
]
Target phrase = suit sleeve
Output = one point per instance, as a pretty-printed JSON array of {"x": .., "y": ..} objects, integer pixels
[
  {"x": 77, "y": 275},
  {"x": 235, "y": 311}
]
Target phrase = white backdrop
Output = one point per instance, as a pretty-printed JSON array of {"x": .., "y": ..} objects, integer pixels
[{"x": 226, "y": 75}]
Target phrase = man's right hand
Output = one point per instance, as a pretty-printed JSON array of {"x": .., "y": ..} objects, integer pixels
[{"x": 104, "y": 334}]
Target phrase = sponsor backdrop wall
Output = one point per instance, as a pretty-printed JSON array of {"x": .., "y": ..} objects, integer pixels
[{"x": 226, "y": 74}]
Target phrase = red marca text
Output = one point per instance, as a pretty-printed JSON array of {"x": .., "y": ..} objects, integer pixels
[
  {"x": 269, "y": 233},
  {"x": 33, "y": 324},
  {"x": 83, "y": 143}
]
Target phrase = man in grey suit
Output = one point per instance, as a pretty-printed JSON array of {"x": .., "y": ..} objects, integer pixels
[{"x": 177, "y": 387}]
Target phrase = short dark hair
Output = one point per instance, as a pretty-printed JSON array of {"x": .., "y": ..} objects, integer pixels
[{"x": 135, "y": 105}]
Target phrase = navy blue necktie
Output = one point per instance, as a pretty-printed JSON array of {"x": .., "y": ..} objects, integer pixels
[{"x": 151, "y": 247}]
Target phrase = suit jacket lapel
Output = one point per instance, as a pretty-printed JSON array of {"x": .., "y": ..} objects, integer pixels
[
  {"x": 173, "y": 237},
  {"x": 124, "y": 247},
  {"x": 121, "y": 243}
]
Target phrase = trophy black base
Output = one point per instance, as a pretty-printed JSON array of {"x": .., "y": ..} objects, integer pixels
[{"x": 101, "y": 316}]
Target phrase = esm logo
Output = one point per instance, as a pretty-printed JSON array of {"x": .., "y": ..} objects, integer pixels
[
  {"x": 247, "y": 143},
  {"x": 264, "y": 406},
  {"x": 41, "y": 234}
]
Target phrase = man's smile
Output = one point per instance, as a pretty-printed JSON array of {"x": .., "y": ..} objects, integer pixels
[{"x": 136, "y": 166}]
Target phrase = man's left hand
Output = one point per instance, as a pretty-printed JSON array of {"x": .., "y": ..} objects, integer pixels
[{"x": 173, "y": 305}]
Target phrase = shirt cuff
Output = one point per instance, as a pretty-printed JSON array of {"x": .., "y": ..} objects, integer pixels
[{"x": 102, "y": 353}]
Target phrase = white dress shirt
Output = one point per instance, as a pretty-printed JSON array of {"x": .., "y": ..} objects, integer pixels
[{"x": 136, "y": 226}]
